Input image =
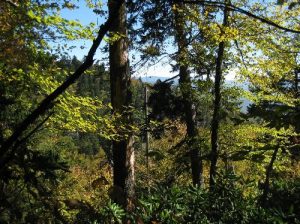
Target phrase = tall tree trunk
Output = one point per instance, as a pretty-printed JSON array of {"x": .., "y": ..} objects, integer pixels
[
  {"x": 123, "y": 151},
  {"x": 186, "y": 90},
  {"x": 217, "y": 105}
]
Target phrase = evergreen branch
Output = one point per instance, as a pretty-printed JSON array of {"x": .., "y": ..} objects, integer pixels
[{"x": 243, "y": 11}]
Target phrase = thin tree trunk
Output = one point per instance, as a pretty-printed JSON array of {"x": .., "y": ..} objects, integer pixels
[
  {"x": 217, "y": 105},
  {"x": 186, "y": 90},
  {"x": 147, "y": 136},
  {"x": 6, "y": 150},
  {"x": 297, "y": 95},
  {"x": 123, "y": 151},
  {"x": 266, "y": 186}
]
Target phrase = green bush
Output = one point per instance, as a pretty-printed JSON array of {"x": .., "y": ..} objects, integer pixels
[
  {"x": 284, "y": 200},
  {"x": 224, "y": 203}
]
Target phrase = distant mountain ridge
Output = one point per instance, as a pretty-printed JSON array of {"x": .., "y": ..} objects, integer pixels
[{"x": 153, "y": 79}]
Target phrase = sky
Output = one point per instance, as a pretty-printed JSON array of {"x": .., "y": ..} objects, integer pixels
[{"x": 85, "y": 15}]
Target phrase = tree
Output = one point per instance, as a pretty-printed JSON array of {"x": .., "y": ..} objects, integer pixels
[
  {"x": 123, "y": 151},
  {"x": 186, "y": 90},
  {"x": 217, "y": 102},
  {"x": 6, "y": 150},
  {"x": 21, "y": 162}
]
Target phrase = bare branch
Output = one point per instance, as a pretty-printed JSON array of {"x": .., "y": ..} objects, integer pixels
[
  {"x": 13, "y": 4},
  {"x": 171, "y": 79},
  {"x": 243, "y": 11},
  {"x": 241, "y": 53}
]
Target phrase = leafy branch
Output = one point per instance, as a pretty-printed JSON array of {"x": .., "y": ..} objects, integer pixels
[
  {"x": 5, "y": 152},
  {"x": 242, "y": 11}
]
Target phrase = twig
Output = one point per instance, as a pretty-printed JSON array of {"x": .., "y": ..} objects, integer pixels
[{"x": 241, "y": 52}]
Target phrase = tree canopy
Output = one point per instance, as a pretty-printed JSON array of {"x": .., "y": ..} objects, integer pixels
[{"x": 83, "y": 140}]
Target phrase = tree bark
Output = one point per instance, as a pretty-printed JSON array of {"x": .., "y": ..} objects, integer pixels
[
  {"x": 266, "y": 186},
  {"x": 123, "y": 151},
  {"x": 217, "y": 105},
  {"x": 186, "y": 90},
  {"x": 6, "y": 150},
  {"x": 297, "y": 95}
]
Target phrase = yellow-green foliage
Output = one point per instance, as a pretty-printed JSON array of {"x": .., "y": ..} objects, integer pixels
[{"x": 87, "y": 182}]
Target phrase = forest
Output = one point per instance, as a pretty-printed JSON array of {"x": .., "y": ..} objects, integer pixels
[{"x": 91, "y": 140}]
